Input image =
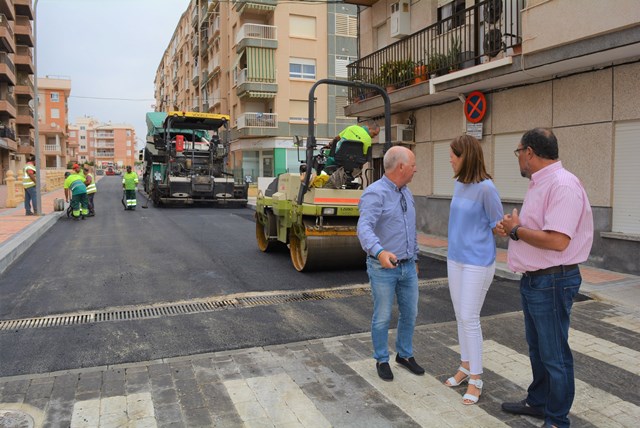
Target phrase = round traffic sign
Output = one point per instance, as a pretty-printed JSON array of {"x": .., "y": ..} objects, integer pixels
[{"x": 475, "y": 107}]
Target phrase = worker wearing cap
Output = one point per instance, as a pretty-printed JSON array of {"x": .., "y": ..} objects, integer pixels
[
  {"x": 129, "y": 183},
  {"x": 74, "y": 186}
]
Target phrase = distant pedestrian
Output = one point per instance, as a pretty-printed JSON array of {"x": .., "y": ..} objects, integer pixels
[
  {"x": 471, "y": 258},
  {"x": 129, "y": 183},
  {"x": 91, "y": 188},
  {"x": 552, "y": 234},
  {"x": 74, "y": 186},
  {"x": 29, "y": 182},
  {"x": 387, "y": 233}
]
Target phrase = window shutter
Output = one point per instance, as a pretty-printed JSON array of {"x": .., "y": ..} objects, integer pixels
[
  {"x": 443, "y": 181},
  {"x": 626, "y": 176},
  {"x": 346, "y": 25},
  {"x": 507, "y": 178}
]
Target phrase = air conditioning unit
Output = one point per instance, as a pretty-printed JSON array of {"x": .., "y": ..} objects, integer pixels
[
  {"x": 399, "y": 134},
  {"x": 400, "y": 22}
]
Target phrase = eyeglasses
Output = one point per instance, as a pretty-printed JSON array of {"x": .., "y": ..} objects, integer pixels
[
  {"x": 86, "y": 170},
  {"x": 403, "y": 203},
  {"x": 516, "y": 152}
]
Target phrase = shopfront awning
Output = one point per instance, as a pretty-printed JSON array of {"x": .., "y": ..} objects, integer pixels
[
  {"x": 258, "y": 94},
  {"x": 258, "y": 6},
  {"x": 261, "y": 64}
]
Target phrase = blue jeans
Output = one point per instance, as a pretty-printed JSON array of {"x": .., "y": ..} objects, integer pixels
[
  {"x": 30, "y": 200},
  {"x": 387, "y": 284},
  {"x": 546, "y": 303}
]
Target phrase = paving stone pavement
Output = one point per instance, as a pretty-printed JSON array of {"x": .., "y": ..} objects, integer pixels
[{"x": 333, "y": 383}]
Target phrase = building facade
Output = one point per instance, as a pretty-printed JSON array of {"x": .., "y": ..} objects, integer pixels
[
  {"x": 257, "y": 61},
  {"x": 53, "y": 118},
  {"x": 16, "y": 85},
  {"x": 570, "y": 66},
  {"x": 104, "y": 144}
]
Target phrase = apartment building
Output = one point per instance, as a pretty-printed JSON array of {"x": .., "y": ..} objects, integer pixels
[
  {"x": 53, "y": 114},
  {"x": 570, "y": 66},
  {"x": 257, "y": 61},
  {"x": 16, "y": 85},
  {"x": 104, "y": 144}
]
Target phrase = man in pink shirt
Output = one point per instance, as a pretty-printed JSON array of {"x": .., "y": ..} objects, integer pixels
[{"x": 550, "y": 236}]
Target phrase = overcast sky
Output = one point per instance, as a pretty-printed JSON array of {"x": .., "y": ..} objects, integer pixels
[{"x": 110, "y": 49}]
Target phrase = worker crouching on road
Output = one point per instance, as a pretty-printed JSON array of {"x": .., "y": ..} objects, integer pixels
[
  {"x": 74, "y": 185},
  {"x": 129, "y": 183}
]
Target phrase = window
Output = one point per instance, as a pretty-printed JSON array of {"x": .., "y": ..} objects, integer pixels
[
  {"x": 302, "y": 26},
  {"x": 626, "y": 175},
  {"x": 300, "y": 68},
  {"x": 128, "y": 133},
  {"x": 341, "y": 65},
  {"x": 83, "y": 128},
  {"x": 72, "y": 133},
  {"x": 346, "y": 25},
  {"x": 298, "y": 111},
  {"x": 443, "y": 181},
  {"x": 55, "y": 97},
  {"x": 55, "y": 113},
  {"x": 452, "y": 14},
  {"x": 128, "y": 143},
  {"x": 82, "y": 137},
  {"x": 128, "y": 152},
  {"x": 506, "y": 177}
]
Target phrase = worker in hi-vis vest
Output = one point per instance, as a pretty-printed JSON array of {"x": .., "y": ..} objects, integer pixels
[
  {"x": 91, "y": 188},
  {"x": 74, "y": 186},
  {"x": 29, "y": 184},
  {"x": 129, "y": 183}
]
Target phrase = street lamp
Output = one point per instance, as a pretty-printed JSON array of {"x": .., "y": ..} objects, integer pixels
[{"x": 35, "y": 115}]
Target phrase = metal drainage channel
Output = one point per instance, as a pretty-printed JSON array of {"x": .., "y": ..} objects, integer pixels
[{"x": 172, "y": 309}]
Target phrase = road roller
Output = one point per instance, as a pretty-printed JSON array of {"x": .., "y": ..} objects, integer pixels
[{"x": 318, "y": 224}]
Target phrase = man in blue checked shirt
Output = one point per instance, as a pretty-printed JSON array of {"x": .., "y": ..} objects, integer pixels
[{"x": 387, "y": 233}]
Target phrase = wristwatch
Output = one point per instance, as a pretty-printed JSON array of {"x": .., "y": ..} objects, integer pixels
[{"x": 514, "y": 232}]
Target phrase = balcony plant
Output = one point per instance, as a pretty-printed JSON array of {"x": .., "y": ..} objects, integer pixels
[
  {"x": 454, "y": 54},
  {"x": 388, "y": 75},
  {"x": 437, "y": 64},
  {"x": 419, "y": 72}
]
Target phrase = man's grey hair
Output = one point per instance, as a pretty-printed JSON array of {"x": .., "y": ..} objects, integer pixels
[{"x": 395, "y": 156}]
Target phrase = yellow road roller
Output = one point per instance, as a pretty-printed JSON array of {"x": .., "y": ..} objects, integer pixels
[{"x": 318, "y": 224}]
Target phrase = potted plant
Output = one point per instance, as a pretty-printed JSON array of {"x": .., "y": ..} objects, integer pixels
[
  {"x": 453, "y": 56},
  {"x": 437, "y": 65},
  {"x": 419, "y": 72},
  {"x": 388, "y": 75}
]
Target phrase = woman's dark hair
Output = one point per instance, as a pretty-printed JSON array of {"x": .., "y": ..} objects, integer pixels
[
  {"x": 472, "y": 169},
  {"x": 542, "y": 141}
]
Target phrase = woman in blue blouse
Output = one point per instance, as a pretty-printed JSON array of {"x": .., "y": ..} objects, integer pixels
[{"x": 475, "y": 211}]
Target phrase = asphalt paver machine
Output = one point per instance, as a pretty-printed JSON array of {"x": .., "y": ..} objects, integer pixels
[{"x": 318, "y": 224}]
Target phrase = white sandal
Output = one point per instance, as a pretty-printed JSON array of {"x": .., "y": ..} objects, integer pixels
[
  {"x": 452, "y": 380},
  {"x": 474, "y": 399}
]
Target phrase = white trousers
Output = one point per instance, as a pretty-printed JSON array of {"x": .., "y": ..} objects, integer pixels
[{"x": 468, "y": 286}]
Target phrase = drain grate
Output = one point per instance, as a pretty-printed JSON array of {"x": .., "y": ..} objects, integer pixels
[{"x": 131, "y": 313}]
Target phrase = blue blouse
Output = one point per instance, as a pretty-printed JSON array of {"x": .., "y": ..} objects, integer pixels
[{"x": 475, "y": 211}]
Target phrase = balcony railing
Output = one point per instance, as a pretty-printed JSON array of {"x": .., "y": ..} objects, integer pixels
[
  {"x": 7, "y": 133},
  {"x": 257, "y": 31},
  {"x": 4, "y": 59},
  {"x": 258, "y": 120},
  {"x": 4, "y": 23},
  {"x": 24, "y": 50},
  {"x": 51, "y": 147},
  {"x": 104, "y": 135},
  {"x": 25, "y": 110},
  {"x": 465, "y": 39}
]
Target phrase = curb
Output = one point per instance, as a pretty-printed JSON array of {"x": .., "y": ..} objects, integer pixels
[{"x": 24, "y": 239}]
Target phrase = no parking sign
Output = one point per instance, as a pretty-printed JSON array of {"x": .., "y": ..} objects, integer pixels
[{"x": 475, "y": 107}]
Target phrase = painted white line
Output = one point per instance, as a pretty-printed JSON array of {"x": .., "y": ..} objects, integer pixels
[
  {"x": 134, "y": 410},
  {"x": 592, "y": 404},
  {"x": 425, "y": 399},
  {"x": 625, "y": 321},
  {"x": 274, "y": 401},
  {"x": 603, "y": 350}
]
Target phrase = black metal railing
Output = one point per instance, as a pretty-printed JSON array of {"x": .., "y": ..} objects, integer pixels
[
  {"x": 7, "y": 133},
  {"x": 458, "y": 41}
]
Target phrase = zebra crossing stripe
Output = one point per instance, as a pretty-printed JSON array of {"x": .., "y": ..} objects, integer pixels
[
  {"x": 273, "y": 401},
  {"x": 425, "y": 399},
  {"x": 603, "y": 350},
  {"x": 591, "y": 404},
  {"x": 625, "y": 321}
]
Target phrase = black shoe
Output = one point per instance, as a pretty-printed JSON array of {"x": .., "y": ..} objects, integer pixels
[
  {"x": 75, "y": 218},
  {"x": 522, "y": 408},
  {"x": 410, "y": 364},
  {"x": 82, "y": 217},
  {"x": 29, "y": 213},
  {"x": 384, "y": 371}
]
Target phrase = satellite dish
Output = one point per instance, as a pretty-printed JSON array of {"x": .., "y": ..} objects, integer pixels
[
  {"x": 493, "y": 11},
  {"x": 493, "y": 42},
  {"x": 31, "y": 103}
]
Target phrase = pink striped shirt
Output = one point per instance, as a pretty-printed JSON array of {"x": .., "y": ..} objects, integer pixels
[{"x": 554, "y": 201}]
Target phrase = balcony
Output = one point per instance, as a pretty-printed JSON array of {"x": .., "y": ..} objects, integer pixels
[
  {"x": 105, "y": 145},
  {"x": 255, "y": 86},
  {"x": 7, "y": 69},
  {"x": 195, "y": 75},
  {"x": 194, "y": 15},
  {"x": 258, "y": 36},
  {"x": 215, "y": 27},
  {"x": 6, "y": 8},
  {"x": 25, "y": 148},
  {"x": 24, "y": 87},
  {"x": 104, "y": 154},
  {"x": 25, "y": 116},
  {"x": 104, "y": 135},
  {"x": 257, "y": 120},
  {"x": 23, "y": 31},
  {"x": 255, "y": 6},
  {"x": 7, "y": 42},
  {"x": 8, "y": 106},
  {"x": 23, "y": 8},
  {"x": 24, "y": 59},
  {"x": 194, "y": 44},
  {"x": 52, "y": 149},
  {"x": 361, "y": 2}
]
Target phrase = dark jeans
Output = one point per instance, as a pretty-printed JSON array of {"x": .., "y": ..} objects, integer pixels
[
  {"x": 30, "y": 200},
  {"x": 91, "y": 206},
  {"x": 546, "y": 303}
]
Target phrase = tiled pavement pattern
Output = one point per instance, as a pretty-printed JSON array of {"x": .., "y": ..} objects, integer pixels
[{"x": 333, "y": 382}]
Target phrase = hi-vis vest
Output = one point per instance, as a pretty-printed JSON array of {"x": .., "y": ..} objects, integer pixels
[
  {"x": 27, "y": 182},
  {"x": 91, "y": 188}
]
